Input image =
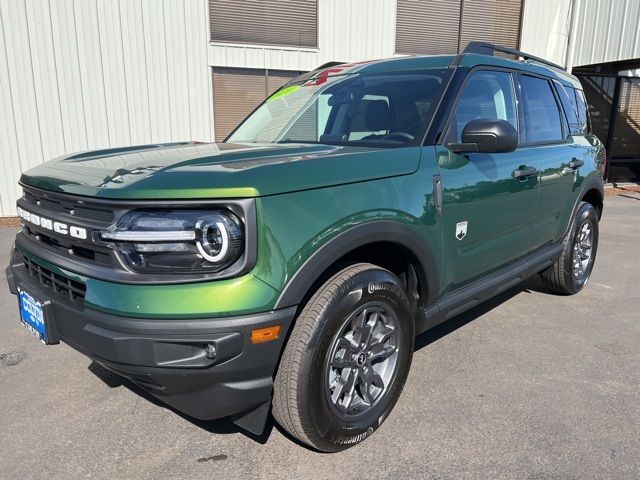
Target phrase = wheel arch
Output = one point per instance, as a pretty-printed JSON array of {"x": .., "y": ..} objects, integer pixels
[
  {"x": 594, "y": 196},
  {"x": 591, "y": 191},
  {"x": 352, "y": 244}
]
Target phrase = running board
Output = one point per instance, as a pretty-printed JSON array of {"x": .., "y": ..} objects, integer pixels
[{"x": 477, "y": 292}]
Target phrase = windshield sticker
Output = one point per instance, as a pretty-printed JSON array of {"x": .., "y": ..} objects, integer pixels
[{"x": 283, "y": 92}]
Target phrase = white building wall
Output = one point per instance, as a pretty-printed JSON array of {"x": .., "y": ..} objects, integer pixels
[
  {"x": 601, "y": 30},
  {"x": 84, "y": 74},
  {"x": 545, "y": 29},
  {"x": 606, "y": 31}
]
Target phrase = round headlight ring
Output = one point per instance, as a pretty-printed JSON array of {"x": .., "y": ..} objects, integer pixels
[{"x": 205, "y": 246}]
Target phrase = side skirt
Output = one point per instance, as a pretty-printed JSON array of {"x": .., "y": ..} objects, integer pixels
[{"x": 477, "y": 292}]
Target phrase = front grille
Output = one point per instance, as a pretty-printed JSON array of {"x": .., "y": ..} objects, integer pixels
[
  {"x": 90, "y": 214},
  {"x": 66, "y": 247},
  {"x": 58, "y": 283},
  {"x": 70, "y": 206}
]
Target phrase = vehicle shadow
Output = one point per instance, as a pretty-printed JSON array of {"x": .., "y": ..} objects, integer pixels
[
  {"x": 226, "y": 426},
  {"x": 532, "y": 284}
]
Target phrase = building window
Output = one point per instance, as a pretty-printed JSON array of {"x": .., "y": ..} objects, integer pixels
[
  {"x": 427, "y": 27},
  {"x": 495, "y": 21},
  {"x": 237, "y": 91},
  {"x": 434, "y": 27},
  {"x": 270, "y": 22}
]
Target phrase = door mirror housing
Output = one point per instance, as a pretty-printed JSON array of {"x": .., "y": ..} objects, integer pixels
[{"x": 487, "y": 136}]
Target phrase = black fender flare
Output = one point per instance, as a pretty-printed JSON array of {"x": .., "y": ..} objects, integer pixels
[
  {"x": 366, "y": 233},
  {"x": 591, "y": 182}
]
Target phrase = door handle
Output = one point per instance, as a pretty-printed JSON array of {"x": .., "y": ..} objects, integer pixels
[
  {"x": 575, "y": 163},
  {"x": 522, "y": 173}
]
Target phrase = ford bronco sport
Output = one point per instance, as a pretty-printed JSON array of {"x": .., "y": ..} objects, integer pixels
[{"x": 289, "y": 268}]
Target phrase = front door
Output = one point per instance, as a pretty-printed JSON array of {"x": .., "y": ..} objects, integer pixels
[{"x": 488, "y": 210}]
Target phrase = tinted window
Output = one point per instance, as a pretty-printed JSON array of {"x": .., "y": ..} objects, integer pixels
[
  {"x": 568, "y": 100},
  {"x": 583, "y": 112},
  {"x": 541, "y": 115},
  {"x": 575, "y": 108},
  {"x": 373, "y": 110},
  {"x": 487, "y": 95}
]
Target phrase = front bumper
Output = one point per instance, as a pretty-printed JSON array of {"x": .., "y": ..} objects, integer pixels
[{"x": 167, "y": 357}]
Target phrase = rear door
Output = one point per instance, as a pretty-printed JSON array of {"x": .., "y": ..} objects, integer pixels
[
  {"x": 547, "y": 143},
  {"x": 487, "y": 214}
]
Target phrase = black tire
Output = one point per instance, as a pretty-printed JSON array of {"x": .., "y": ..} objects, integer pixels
[
  {"x": 562, "y": 277},
  {"x": 303, "y": 399}
]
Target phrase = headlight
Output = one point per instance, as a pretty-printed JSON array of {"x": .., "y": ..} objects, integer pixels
[{"x": 177, "y": 241}]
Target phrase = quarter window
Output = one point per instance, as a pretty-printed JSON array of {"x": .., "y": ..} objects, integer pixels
[
  {"x": 541, "y": 115},
  {"x": 487, "y": 95},
  {"x": 583, "y": 111}
]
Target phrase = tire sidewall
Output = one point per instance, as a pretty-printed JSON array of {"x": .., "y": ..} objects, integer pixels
[
  {"x": 334, "y": 432},
  {"x": 584, "y": 213}
]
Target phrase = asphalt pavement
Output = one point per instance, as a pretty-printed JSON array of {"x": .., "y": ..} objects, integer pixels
[{"x": 529, "y": 385}]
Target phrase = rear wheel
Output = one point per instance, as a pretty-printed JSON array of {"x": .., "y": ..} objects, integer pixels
[
  {"x": 347, "y": 359},
  {"x": 572, "y": 270}
]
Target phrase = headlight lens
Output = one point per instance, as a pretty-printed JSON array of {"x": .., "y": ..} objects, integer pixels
[{"x": 177, "y": 241}]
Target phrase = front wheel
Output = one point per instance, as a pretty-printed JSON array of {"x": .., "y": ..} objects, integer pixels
[
  {"x": 347, "y": 359},
  {"x": 572, "y": 270}
]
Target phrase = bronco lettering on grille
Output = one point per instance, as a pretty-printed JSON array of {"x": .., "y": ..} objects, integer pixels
[{"x": 53, "y": 225}]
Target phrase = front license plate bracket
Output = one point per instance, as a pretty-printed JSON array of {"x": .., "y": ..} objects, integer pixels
[{"x": 51, "y": 337}]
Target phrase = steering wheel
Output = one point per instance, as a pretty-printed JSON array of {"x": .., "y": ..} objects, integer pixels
[{"x": 399, "y": 136}]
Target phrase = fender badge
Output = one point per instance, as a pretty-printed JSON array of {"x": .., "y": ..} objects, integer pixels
[{"x": 461, "y": 230}]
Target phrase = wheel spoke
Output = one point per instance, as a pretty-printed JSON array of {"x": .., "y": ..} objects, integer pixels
[
  {"x": 346, "y": 344},
  {"x": 364, "y": 381},
  {"x": 384, "y": 335},
  {"x": 367, "y": 379},
  {"x": 364, "y": 327},
  {"x": 344, "y": 387},
  {"x": 381, "y": 352},
  {"x": 341, "y": 361}
]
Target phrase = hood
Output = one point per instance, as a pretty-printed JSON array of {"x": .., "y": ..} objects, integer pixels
[{"x": 209, "y": 170}]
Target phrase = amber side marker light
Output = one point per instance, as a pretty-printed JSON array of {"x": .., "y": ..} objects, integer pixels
[{"x": 266, "y": 334}]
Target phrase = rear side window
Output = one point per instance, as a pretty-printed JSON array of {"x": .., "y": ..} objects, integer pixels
[
  {"x": 541, "y": 115},
  {"x": 575, "y": 108},
  {"x": 583, "y": 111}
]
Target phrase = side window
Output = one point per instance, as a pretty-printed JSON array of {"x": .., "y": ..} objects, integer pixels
[
  {"x": 486, "y": 95},
  {"x": 583, "y": 111},
  {"x": 568, "y": 100},
  {"x": 541, "y": 115}
]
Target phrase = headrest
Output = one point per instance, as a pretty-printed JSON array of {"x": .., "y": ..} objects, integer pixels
[{"x": 377, "y": 116}]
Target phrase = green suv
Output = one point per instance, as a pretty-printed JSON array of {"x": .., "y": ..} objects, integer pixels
[{"x": 288, "y": 269}]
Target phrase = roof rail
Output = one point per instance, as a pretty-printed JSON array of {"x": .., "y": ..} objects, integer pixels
[
  {"x": 310, "y": 74},
  {"x": 485, "y": 48}
]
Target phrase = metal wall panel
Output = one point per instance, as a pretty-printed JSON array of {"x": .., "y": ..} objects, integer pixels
[
  {"x": 602, "y": 30},
  {"x": 355, "y": 30},
  {"x": 606, "y": 31},
  {"x": 545, "y": 29},
  {"x": 83, "y": 74}
]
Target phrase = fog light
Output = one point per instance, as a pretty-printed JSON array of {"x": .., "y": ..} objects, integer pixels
[{"x": 210, "y": 351}]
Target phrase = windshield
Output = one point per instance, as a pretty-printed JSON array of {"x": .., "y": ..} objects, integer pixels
[{"x": 390, "y": 109}]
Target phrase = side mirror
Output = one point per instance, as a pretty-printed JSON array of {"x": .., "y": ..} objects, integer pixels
[{"x": 487, "y": 136}]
